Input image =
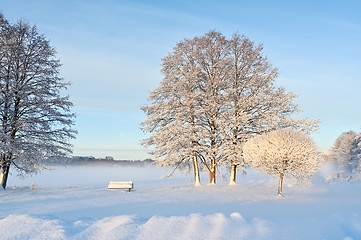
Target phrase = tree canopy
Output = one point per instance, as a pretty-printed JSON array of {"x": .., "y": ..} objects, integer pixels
[
  {"x": 35, "y": 119},
  {"x": 283, "y": 152},
  {"x": 346, "y": 155},
  {"x": 215, "y": 95}
]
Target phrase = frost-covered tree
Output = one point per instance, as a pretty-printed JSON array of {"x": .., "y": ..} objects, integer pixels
[
  {"x": 255, "y": 104},
  {"x": 213, "y": 66},
  {"x": 216, "y": 94},
  {"x": 346, "y": 154},
  {"x": 172, "y": 116},
  {"x": 36, "y": 121},
  {"x": 283, "y": 152}
]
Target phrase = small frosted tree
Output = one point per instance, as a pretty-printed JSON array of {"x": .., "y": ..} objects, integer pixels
[
  {"x": 346, "y": 155},
  {"x": 283, "y": 152}
]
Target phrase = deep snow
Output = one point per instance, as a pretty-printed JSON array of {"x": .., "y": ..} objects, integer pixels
[{"x": 74, "y": 203}]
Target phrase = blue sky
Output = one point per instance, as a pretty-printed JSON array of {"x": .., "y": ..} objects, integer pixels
[{"x": 111, "y": 51}]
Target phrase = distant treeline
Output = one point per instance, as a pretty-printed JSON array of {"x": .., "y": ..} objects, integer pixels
[{"x": 90, "y": 160}]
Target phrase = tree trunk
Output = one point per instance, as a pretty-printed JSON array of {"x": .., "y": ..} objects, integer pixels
[
  {"x": 280, "y": 184},
  {"x": 212, "y": 170},
  {"x": 197, "y": 181},
  {"x": 233, "y": 174},
  {"x": 4, "y": 175},
  {"x": 212, "y": 176}
]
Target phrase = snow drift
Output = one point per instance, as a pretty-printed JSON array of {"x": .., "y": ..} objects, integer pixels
[{"x": 174, "y": 209}]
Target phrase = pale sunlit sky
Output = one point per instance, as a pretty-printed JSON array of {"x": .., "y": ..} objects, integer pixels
[{"x": 111, "y": 51}]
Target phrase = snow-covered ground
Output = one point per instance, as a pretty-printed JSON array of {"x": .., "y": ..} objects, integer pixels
[{"x": 74, "y": 203}]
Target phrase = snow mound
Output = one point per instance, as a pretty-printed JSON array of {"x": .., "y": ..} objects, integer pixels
[
  {"x": 193, "y": 226},
  {"x": 30, "y": 228}
]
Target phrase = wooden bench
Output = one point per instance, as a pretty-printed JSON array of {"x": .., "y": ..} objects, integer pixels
[{"x": 120, "y": 185}]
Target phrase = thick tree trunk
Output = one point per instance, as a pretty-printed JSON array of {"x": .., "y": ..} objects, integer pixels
[
  {"x": 233, "y": 174},
  {"x": 4, "y": 175},
  {"x": 280, "y": 182},
  {"x": 213, "y": 169},
  {"x": 212, "y": 176},
  {"x": 197, "y": 181}
]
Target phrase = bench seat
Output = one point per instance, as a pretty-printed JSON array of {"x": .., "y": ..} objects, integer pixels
[{"x": 120, "y": 185}]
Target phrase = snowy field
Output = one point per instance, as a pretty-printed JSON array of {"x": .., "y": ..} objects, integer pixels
[{"x": 74, "y": 203}]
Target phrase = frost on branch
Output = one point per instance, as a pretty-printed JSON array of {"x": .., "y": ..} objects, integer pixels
[
  {"x": 283, "y": 152},
  {"x": 346, "y": 155},
  {"x": 36, "y": 121},
  {"x": 215, "y": 95}
]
